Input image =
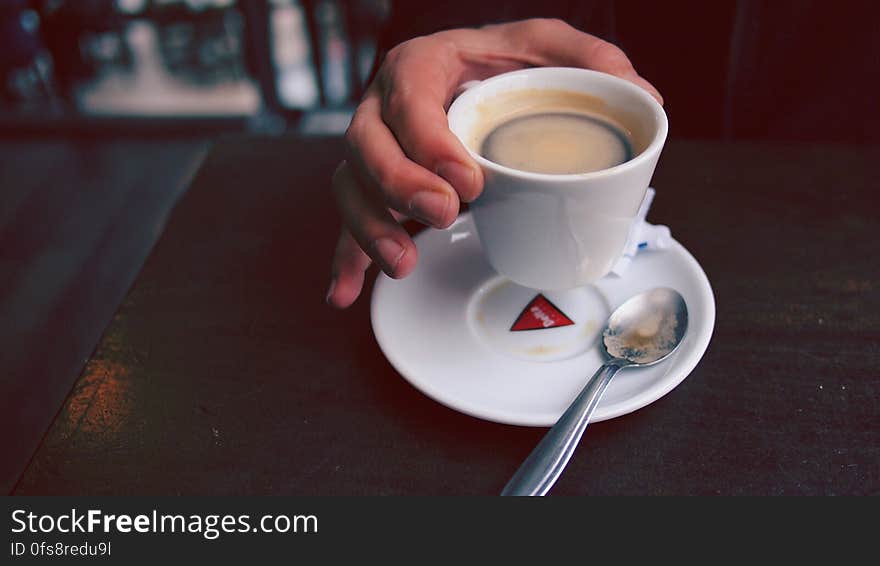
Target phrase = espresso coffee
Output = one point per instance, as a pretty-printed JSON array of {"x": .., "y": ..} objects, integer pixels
[
  {"x": 557, "y": 143},
  {"x": 551, "y": 132}
]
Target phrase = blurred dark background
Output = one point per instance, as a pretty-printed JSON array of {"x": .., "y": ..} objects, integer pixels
[
  {"x": 733, "y": 69},
  {"x": 182, "y": 66},
  {"x": 107, "y": 107}
]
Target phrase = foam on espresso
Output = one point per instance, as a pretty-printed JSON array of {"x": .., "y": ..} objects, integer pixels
[{"x": 551, "y": 132}]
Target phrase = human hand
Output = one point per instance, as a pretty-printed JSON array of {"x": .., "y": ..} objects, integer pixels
[{"x": 402, "y": 159}]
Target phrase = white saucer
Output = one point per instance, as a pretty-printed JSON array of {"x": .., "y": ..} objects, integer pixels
[{"x": 447, "y": 329}]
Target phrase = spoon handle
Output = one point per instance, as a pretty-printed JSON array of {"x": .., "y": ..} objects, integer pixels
[{"x": 542, "y": 468}]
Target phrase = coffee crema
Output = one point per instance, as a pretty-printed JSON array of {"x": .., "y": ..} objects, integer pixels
[
  {"x": 551, "y": 132},
  {"x": 557, "y": 143}
]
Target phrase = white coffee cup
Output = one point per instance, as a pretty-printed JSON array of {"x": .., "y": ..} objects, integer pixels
[{"x": 556, "y": 232}]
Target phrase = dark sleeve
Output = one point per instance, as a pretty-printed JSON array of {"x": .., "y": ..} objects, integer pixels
[
  {"x": 805, "y": 71},
  {"x": 412, "y": 19},
  {"x": 798, "y": 70}
]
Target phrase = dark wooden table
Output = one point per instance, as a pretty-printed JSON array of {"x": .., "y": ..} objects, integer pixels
[
  {"x": 78, "y": 216},
  {"x": 223, "y": 372}
]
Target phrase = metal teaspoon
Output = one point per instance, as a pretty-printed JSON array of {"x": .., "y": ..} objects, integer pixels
[{"x": 642, "y": 331}]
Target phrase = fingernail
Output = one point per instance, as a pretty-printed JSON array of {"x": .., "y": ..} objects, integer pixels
[
  {"x": 431, "y": 207},
  {"x": 652, "y": 90},
  {"x": 330, "y": 290},
  {"x": 658, "y": 96},
  {"x": 462, "y": 177},
  {"x": 390, "y": 253}
]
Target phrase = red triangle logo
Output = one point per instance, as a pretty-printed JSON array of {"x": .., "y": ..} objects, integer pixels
[{"x": 539, "y": 314}]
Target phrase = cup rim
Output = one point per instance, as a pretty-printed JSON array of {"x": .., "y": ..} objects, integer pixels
[{"x": 653, "y": 147}]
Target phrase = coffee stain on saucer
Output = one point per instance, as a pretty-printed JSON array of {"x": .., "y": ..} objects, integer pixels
[
  {"x": 542, "y": 350},
  {"x": 589, "y": 328}
]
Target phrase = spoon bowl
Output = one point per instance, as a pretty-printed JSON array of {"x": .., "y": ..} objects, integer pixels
[
  {"x": 647, "y": 328},
  {"x": 643, "y": 331}
]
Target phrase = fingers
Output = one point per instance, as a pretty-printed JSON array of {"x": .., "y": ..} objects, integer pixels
[
  {"x": 608, "y": 58},
  {"x": 373, "y": 227},
  {"x": 349, "y": 265},
  {"x": 402, "y": 155},
  {"x": 549, "y": 42},
  {"x": 416, "y": 85},
  {"x": 382, "y": 168},
  {"x": 585, "y": 50},
  {"x": 638, "y": 80}
]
